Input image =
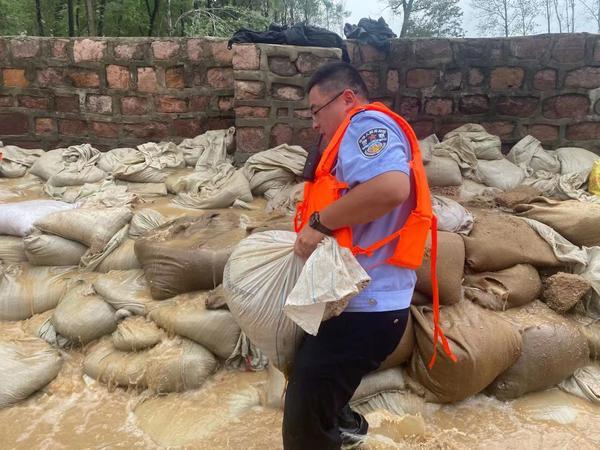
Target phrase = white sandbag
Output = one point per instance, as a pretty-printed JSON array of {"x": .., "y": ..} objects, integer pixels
[
  {"x": 574, "y": 159},
  {"x": 93, "y": 195},
  {"x": 485, "y": 145},
  {"x": 16, "y": 160},
  {"x": 144, "y": 220},
  {"x": 136, "y": 333},
  {"x": 501, "y": 174},
  {"x": 443, "y": 171},
  {"x": 452, "y": 216},
  {"x": 48, "y": 164},
  {"x": 12, "y": 250},
  {"x": 17, "y": 218},
  {"x": 426, "y": 146},
  {"x": 528, "y": 153},
  {"x": 472, "y": 191},
  {"x": 286, "y": 199},
  {"x": 26, "y": 290},
  {"x": 260, "y": 275},
  {"x": 213, "y": 142},
  {"x": 121, "y": 258},
  {"x": 125, "y": 289},
  {"x": 82, "y": 315},
  {"x": 40, "y": 325},
  {"x": 26, "y": 366},
  {"x": 77, "y": 167},
  {"x": 584, "y": 383},
  {"x": 50, "y": 250}
]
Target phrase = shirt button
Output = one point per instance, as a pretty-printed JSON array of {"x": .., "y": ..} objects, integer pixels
[{"x": 372, "y": 301}]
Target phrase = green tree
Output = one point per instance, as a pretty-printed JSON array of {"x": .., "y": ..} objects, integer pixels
[{"x": 428, "y": 18}]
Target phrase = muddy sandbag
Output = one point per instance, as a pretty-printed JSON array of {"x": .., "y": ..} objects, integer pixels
[
  {"x": 528, "y": 153},
  {"x": 26, "y": 366},
  {"x": 452, "y": 216},
  {"x": 450, "y": 268},
  {"x": 443, "y": 171},
  {"x": 82, "y": 315},
  {"x": 121, "y": 258},
  {"x": 40, "y": 325},
  {"x": 216, "y": 299},
  {"x": 403, "y": 350},
  {"x": 105, "y": 363},
  {"x": 145, "y": 220},
  {"x": 590, "y": 329},
  {"x": 27, "y": 290},
  {"x": 584, "y": 383},
  {"x": 16, "y": 160},
  {"x": 426, "y": 146},
  {"x": 93, "y": 227},
  {"x": 188, "y": 254},
  {"x": 136, "y": 333},
  {"x": 12, "y": 250},
  {"x": 125, "y": 289},
  {"x": 579, "y": 222},
  {"x": 17, "y": 219},
  {"x": 552, "y": 350},
  {"x": 218, "y": 142},
  {"x": 520, "y": 194},
  {"x": 508, "y": 288},
  {"x": 72, "y": 166},
  {"x": 576, "y": 160},
  {"x": 484, "y": 145},
  {"x": 501, "y": 174},
  {"x": 186, "y": 315},
  {"x": 50, "y": 250},
  {"x": 484, "y": 343},
  {"x": 499, "y": 241},
  {"x": 562, "y": 291}
]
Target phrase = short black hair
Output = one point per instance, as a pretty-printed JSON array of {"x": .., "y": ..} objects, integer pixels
[{"x": 337, "y": 76}]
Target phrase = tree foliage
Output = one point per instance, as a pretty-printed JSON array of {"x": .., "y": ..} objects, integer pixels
[{"x": 429, "y": 18}]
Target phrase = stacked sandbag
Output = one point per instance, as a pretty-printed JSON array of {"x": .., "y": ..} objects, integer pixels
[
  {"x": 188, "y": 254},
  {"x": 26, "y": 290},
  {"x": 125, "y": 290},
  {"x": 584, "y": 383},
  {"x": 16, "y": 160},
  {"x": 218, "y": 142},
  {"x": 26, "y": 366},
  {"x": 562, "y": 291},
  {"x": 136, "y": 333},
  {"x": 451, "y": 215},
  {"x": 145, "y": 220},
  {"x": 552, "y": 350},
  {"x": 529, "y": 154},
  {"x": 51, "y": 250},
  {"x": 17, "y": 219},
  {"x": 508, "y": 288},
  {"x": 40, "y": 325},
  {"x": 443, "y": 171},
  {"x": 501, "y": 174},
  {"x": 485, "y": 146},
  {"x": 12, "y": 250},
  {"x": 186, "y": 315},
  {"x": 590, "y": 329},
  {"x": 576, "y": 160},
  {"x": 72, "y": 166},
  {"x": 483, "y": 342}
]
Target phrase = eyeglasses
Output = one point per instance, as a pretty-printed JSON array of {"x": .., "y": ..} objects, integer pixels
[{"x": 316, "y": 111}]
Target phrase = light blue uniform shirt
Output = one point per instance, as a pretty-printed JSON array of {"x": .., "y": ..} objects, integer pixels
[{"x": 372, "y": 145}]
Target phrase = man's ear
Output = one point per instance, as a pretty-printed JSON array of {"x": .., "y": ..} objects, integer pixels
[{"x": 349, "y": 98}]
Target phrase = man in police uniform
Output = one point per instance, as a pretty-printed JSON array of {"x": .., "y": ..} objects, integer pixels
[{"x": 373, "y": 160}]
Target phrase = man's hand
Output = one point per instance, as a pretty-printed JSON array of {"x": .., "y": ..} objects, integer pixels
[{"x": 307, "y": 241}]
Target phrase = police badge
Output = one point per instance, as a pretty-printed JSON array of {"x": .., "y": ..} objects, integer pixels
[{"x": 373, "y": 142}]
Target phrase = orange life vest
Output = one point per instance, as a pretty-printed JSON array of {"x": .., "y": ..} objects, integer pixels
[{"x": 411, "y": 238}]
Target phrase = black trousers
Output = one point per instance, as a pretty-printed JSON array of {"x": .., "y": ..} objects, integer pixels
[{"x": 327, "y": 370}]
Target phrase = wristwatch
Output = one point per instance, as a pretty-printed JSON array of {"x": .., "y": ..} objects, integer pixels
[{"x": 315, "y": 222}]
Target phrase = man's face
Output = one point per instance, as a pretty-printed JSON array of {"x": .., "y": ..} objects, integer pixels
[{"x": 329, "y": 109}]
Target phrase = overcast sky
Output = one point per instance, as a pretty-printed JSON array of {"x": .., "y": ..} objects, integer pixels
[{"x": 377, "y": 8}]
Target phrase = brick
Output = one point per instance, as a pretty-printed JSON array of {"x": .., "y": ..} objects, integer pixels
[
  {"x": 100, "y": 104},
  {"x": 370, "y": 54},
  {"x": 72, "y": 127},
  {"x": 569, "y": 48},
  {"x": 199, "y": 103},
  {"x": 220, "y": 78},
  {"x": 307, "y": 63},
  {"x": 220, "y": 123},
  {"x": 452, "y": 80},
  {"x": 249, "y": 90},
  {"x": 134, "y": 105},
  {"x": 400, "y": 50},
  {"x": 14, "y": 78},
  {"x": 305, "y": 137},
  {"x": 84, "y": 78},
  {"x": 304, "y": 114},
  {"x": 88, "y": 50},
  {"x": 408, "y": 106},
  {"x": 117, "y": 77},
  {"x": 169, "y": 104},
  {"x": 439, "y": 106},
  {"x": 281, "y": 133},
  {"x": 51, "y": 77},
  {"x": 246, "y": 57},
  {"x": 24, "y": 48},
  {"x": 195, "y": 49},
  {"x": 147, "y": 130},
  {"x": 421, "y": 78},
  {"x": 499, "y": 128},
  {"x": 6, "y": 101},
  {"x": 44, "y": 125},
  {"x": 545, "y": 80},
  {"x": 283, "y": 112},
  {"x": 506, "y": 78},
  {"x": 175, "y": 77},
  {"x": 188, "y": 127},
  {"x": 32, "y": 102},
  {"x": 281, "y": 65},
  {"x": 529, "y": 47},
  {"x": 250, "y": 139},
  {"x": 583, "y": 131},
  {"x": 371, "y": 79},
  {"x": 105, "y": 129},
  {"x": 422, "y": 128},
  {"x": 252, "y": 111},
  {"x": 353, "y": 48},
  {"x": 225, "y": 104},
  {"x": 287, "y": 93},
  {"x": 587, "y": 78},
  {"x": 392, "y": 83},
  {"x": 67, "y": 103},
  {"x": 573, "y": 106},
  {"x": 476, "y": 77},
  {"x": 474, "y": 104},
  {"x": 147, "y": 81},
  {"x": 162, "y": 49},
  {"x": 433, "y": 50},
  {"x": 128, "y": 51},
  {"x": 59, "y": 48},
  {"x": 517, "y": 106},
  {"x": 544, "y": 133},
  {"x": 3, "y": 49},
  {"x": 220, "y": 53}
]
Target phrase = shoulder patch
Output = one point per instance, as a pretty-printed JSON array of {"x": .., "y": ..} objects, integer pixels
[{"x": 373, "y": 142}]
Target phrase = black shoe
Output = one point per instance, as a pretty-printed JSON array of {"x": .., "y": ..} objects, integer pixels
[{"x": 353, "y": 428}]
